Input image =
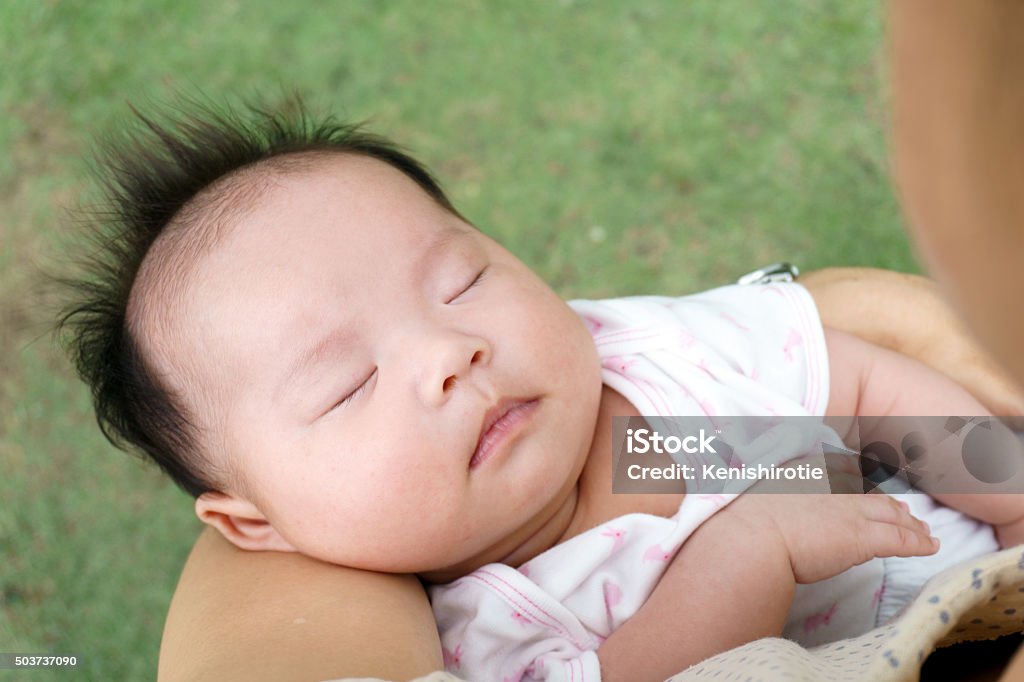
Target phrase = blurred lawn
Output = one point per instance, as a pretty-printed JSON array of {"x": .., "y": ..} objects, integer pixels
[{"x": 657, "y": 148}]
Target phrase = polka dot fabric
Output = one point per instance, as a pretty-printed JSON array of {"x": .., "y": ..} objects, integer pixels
[{"x": 978, "y": 599}]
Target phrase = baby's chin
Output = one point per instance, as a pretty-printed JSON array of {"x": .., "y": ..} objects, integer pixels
[
  {"x": 432, "y": 564},
  {"x": 447, "y": 574},
  {"x": 446, "y": 571}
]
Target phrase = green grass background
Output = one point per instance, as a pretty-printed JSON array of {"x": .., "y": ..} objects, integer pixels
[{"x": 654, "y": 147}]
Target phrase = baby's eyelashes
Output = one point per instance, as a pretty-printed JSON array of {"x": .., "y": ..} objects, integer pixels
[
  {"x": 355, "y": 392},
  {"x": 476, "y": 280}
]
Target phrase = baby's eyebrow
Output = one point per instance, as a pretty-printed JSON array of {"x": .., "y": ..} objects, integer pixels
[
  {"x": 317, "y": 352},
  {"x": 437, "y": 246},
  {"x": 314, "y": 355}
]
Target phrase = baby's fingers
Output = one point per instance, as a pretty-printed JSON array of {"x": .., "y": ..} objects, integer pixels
[{"x": 892, "y": 531}]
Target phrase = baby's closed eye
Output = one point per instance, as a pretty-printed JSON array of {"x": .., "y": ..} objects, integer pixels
[
  {"x": 476, "y": 280},
  {"x": 354, "y": 393}
]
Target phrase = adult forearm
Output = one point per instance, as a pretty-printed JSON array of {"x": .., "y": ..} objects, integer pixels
[
  {"x": 240, "y": 615},
  {"x": 957, "y": 76},
  {"x": 906, "y": 313}
]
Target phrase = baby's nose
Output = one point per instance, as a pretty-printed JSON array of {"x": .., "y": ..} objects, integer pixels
[
  {"x": 451, "y": 363},
  {"x": 449, "y": 381}
]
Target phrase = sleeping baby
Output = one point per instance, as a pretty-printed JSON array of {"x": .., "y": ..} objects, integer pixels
[{"x": 297, "y": 326}]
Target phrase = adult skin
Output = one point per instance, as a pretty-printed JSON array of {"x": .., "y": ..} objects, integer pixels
[
  {"x": 240, "y": 615},
  {"x": 957, "y": 74},
  {"x": 270, "y": 616}
]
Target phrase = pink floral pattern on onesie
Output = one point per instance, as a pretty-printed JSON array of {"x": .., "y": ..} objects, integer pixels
[{"x": 750, "y": 350}]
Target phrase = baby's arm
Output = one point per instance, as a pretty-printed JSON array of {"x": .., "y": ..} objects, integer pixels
[
  {"x": 733, "y": 580},
  {"x": 870, "y": 381}
]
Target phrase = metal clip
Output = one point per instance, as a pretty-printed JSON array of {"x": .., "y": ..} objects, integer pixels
[{"x": 776, "y": 272}]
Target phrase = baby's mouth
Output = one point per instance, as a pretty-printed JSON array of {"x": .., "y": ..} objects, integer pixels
[{"x": 500, "y": 423}]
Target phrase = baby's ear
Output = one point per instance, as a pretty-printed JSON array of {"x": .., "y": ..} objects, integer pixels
[{"x": 240, "y": 522}]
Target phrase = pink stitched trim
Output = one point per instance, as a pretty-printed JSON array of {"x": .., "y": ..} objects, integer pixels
[
  {"x": 519, "y": 605},
  {"x": 658, "y": 396},
  {"x": 812, "y": 396},
  {"x": 809, "y": 389},
  {"x": 631, "y": 335},
  {"x": 555, "y": 625},
  {"x": 815, "y": 362}
]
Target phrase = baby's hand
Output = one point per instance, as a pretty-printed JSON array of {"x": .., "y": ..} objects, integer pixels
[
  {"x": 825, "y": 535},
  {"x": 1010, "y": 534}
]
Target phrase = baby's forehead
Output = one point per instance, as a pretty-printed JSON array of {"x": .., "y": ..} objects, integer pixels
[
  {"x": 178, "y": 262},
  {"x": 286, "y": 249},
  {"x": 360, "y": 207},
  {"x": 282, "y": 196}
]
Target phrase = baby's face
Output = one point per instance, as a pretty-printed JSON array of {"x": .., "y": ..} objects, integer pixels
[{"x": 399, "y": 391}]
